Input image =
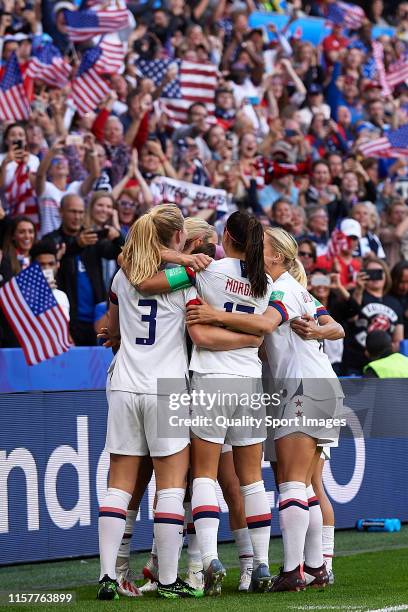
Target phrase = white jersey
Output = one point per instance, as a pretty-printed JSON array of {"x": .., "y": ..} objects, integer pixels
[
  {"x": 152, "y": 338},
  {"x": 291, "y": 358},
  {"x": 224, "y": 285}
]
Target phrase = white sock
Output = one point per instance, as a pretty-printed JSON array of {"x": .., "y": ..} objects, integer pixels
[
  {"x": 294, "y": 521},
  {"x": 111, "y": 525},
  {"x": 313, "y": 541},
  {"x": 328, "y": 545},
  {"x": 168, "y": 532},
  {"x": 245, "y": 550},
  {"x": 195, "y": 563},
  {"x": 258, "y": 516},
  {"x": 124, "y": 548},
  {"x": 206, "y": 518},
  {"x": 154, "y": 548}
]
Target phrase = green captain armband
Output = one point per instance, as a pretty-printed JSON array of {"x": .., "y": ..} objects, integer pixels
[{"x": 180, "y": 277}]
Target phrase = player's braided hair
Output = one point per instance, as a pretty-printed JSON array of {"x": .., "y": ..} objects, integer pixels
[
  {"x": 285, "y": 244},
  {"x": 147, "y": 236}
]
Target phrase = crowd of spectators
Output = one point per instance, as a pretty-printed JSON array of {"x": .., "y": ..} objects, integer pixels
[{"x": 283, "y": 142}]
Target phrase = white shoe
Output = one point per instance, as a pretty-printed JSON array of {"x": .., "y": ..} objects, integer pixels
[
  {"x": 331, "y": 576},
  {"x": 151, "y": 574},
  {"x": 148, "y": 587},
  {"x": 245, "y": 579},
  {"x": 195, "y": 579},
  {"x": 126, "y": 582}
]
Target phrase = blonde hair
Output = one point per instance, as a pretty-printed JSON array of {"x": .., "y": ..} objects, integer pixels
[
  {"x": 197, "y": 228},
  {"x": 147, "y": 236},
  {"x": 285, "y": 244}
]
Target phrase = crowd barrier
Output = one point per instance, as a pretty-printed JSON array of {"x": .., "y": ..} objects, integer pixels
[{"x": 53, "y": 469}]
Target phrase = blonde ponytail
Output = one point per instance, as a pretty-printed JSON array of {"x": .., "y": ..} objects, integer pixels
[
  {"x": 297, "y": 270},
  {"x": 147, "y": 236},
  {"x": 285, "y": 244}
]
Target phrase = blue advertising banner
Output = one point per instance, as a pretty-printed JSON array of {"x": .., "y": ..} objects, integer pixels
[
  {"x": 312, "y": 29},
  {"x": 53, "y": 471}
]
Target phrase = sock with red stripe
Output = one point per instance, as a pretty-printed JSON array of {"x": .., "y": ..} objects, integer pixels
[
  {"x": 195, "y": 563},
  {"x": 111, "y": 526},
  {"x": 313, "y": 541},
  {"x": 258, "y": 517},
  {"x": 124, "y": 549},
  {"x": 328, "y": 545},
  {"x": 245, "y": 550},
  {"x": 294, "y": 521},
  {"x": 168, "y": 532},
  {"x": 206, "y": 519}
]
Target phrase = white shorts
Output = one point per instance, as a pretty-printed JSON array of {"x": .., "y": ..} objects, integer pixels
[
  {"x": 304, "y": 407},
  {"x": 227, "y": 422},
  {"x": 270, "y": 451},
  {"x": 133, "y": 427},
  {"x": 226, "y": 448}
]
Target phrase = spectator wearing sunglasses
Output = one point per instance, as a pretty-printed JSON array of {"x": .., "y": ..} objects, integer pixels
[{"x": 307, "y": 255}]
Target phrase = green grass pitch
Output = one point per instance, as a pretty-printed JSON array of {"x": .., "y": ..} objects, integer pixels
[{"x": 370, "y": 568}]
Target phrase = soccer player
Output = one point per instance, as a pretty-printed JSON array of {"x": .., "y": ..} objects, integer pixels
[
  {"x": 152, "y": 331},
  {"x": 236, "y": 283},
  {"x": 294, "y": 364}
]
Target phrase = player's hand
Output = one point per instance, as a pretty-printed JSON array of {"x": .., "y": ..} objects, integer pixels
[
  {"x": 306, "y": 327},
  {"x": 112, "y": 342},
  {"x": 197, "y": 262},
  {"x": 203, "y": 314}
]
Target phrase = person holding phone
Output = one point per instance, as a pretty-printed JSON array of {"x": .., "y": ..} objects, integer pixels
[
  {"x": 373, "y": 309},
  {"x": 15, "y": 162}
]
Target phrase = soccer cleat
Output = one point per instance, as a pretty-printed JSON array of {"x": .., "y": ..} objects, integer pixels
[
  {"x": 260, "y": 580},
  {"x": 108, "y": 589},
  {"x": 213, "y": 577},
  {"x": 289, "y": 581},
  {"x": 195, "y": 579},
  {"x": 126, "y": 581},
  {"x": 331, "y": 576},
  {"x": 245, "y": 580},
  {"x": 177, "y": 590},
  {"x": 316, "y": 577},
  {"x": 151, "y": 569},
  {"x": 148, "y": 587}
]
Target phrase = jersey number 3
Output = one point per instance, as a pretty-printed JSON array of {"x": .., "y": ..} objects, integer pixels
[{"x": 151, "y": 320}]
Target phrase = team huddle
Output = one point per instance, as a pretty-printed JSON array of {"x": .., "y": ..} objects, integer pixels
[{"x": 253, "y": 327}]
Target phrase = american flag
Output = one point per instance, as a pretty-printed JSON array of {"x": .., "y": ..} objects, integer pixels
[
  {"x": 113, "y": 55},
  {"x": 378, "y": 55},
  {"x": 14, "y": 104},
  {"x": 195, "y": 82},
  {"x": 88, "y": 87},
  {"x": 20, "y": 197},
  {"x": 397, "y": 73},
  {"x": 83, "y": 25},
  {"x": 391, "y": 144},
  {"x": 49, "y": 66},
  {"x": 34, "y": 315},
  {"x": 350, "y": 16}
]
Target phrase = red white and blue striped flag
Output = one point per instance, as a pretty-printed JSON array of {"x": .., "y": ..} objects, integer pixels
[
  {"x": 112, "y": 57},
  {"x": 88, "y": 87},
  {"x": 20, "y": 198},
  {"x": 35, "y": 316},
  {"x": 350, "y": 16},
  {"x": 14, "y": 104},
  {"x": 84, "y": 25},
  {"x": 392, "y": 144},
  {"x": 195, "y": 82},
  {"x": 397, "y": 73},
  {"x": 48, "y": 65}
]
